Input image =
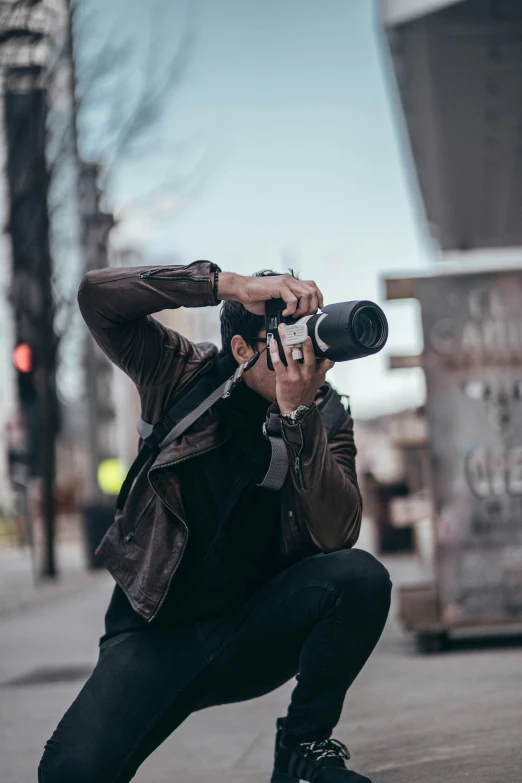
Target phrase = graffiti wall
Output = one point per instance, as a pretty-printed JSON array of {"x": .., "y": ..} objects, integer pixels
[{"x": 473, "y": 364}]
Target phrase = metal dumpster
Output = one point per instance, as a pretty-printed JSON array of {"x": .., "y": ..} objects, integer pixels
[{"x": 472, "y": 359}]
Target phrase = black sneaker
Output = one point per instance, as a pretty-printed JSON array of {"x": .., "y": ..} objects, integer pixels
[{"x": 312, "y": 762}]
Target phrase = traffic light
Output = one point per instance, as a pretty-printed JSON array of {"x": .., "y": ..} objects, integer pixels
[
  {"x": 23, "y": 358},
  {"x": 24, "y": 364}
]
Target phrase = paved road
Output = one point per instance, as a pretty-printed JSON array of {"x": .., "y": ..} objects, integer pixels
[{"x": 407, "y": 719}]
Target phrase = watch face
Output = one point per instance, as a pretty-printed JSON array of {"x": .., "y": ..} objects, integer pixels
[{"x": 296, "y": 415}]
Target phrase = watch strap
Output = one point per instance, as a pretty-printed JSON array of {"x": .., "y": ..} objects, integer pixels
[{"x": 294, "y": 416}]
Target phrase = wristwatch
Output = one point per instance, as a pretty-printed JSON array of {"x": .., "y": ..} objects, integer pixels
[{"x": 294, "y": 416}]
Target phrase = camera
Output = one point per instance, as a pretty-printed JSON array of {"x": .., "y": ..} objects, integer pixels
[{"x": 339, "y": 332}]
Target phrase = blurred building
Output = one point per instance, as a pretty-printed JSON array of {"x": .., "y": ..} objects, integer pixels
[
  {"x": 7, "y": 387},
  {"x": 458, "y": 65},
  {"x": 393, "y": 469}
]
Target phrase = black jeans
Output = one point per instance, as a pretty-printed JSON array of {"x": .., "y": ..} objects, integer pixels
[{"x": 319, "y": 620}]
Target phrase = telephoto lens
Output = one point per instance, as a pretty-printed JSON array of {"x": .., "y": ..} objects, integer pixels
[
  {"x": 339, "y": 332},
  {"x": 348, "y": 330}
]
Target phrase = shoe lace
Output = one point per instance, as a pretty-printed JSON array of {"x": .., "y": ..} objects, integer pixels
[{"x": 326, "y": 749}]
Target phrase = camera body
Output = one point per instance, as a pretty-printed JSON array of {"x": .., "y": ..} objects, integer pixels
[{"x": 340, "y": 332}]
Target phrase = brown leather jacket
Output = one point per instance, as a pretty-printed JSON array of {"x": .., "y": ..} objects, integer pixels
[{"x": 320, "y": 500}]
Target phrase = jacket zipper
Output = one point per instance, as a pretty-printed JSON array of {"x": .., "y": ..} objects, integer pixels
[
  {"x": 132, "y": 533},
  {"x": 298, "y": 465},
  {"x": 299, "y": 472},
  {"x": 168, "y": 465},
  {"x": 154, "y": 272}
]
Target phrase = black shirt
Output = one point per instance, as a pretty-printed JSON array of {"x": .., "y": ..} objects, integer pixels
[{"x": 232, "y": 547}]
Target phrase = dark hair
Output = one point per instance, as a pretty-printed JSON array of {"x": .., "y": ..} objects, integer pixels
[{"x": 236, "y": 319}]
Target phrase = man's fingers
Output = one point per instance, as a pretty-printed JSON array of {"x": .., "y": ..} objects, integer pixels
[
  {"x": 294, "y": 293},
  {"x": 309, "y": 358},
  {"x": 293, "y": 365},
  {"x": 324, "y": 365},
  {"x": 308, "y": 355},
  {"x": 253, "y": 292},
  {"x": 318, "y": 293},
  {"x": 314, "y": 301},
  {"x": 304, "y": 304},
  {"x": 301, "y": 298},
  {"x": 291, "y": 302},
  {"x": 279, "y": 367}
]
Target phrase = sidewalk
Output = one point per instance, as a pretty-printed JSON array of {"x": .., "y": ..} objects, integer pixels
[
  {"x": 19, "y": 588},
  {"x": 407, "y": 719}
]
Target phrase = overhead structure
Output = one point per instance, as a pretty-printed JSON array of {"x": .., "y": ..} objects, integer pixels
[
  {"x": 458, "y": 65},
  {"x": 399, "y": 11}
]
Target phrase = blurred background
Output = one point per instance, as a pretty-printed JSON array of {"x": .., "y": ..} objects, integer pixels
[{"x": 375, "y": 147}]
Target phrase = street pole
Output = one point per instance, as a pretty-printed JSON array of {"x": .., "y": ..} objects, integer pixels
[{"x": 25, "y": 103}]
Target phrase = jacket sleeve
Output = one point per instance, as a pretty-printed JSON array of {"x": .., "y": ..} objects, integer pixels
[
  {"x": 325, "y": 480},
  {"x": 116, "y": 304}
]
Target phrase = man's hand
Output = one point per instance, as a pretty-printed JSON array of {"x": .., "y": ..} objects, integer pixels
[
  {"x": 301, "y": 296},
  {"x": 298, "y": 383}
]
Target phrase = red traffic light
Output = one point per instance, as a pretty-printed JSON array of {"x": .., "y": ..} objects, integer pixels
[{"x": 23, "y": 357}]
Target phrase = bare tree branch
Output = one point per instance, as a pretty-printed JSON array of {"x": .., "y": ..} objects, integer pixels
[
  {"x": 109, "y": 60},
  {"x": 67, "y": 306},
  {"x": 152, "y": 99}
]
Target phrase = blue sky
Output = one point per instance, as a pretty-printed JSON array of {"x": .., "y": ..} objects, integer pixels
[{"x": 291, "y": 104}]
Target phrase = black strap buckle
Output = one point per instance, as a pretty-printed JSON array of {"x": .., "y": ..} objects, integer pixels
[
  {"x": 234, "y": 380},
  {"x": 238, "y": 375}
]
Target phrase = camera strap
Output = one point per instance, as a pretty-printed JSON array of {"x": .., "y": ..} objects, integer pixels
[
  {"x": 198, "y": 398},
  {"x": 278, "y": 467},
  {"x": 333, "y": 413}
]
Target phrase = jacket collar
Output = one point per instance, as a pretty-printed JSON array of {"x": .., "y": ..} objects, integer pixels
[{"x": 213, "y": 429}]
